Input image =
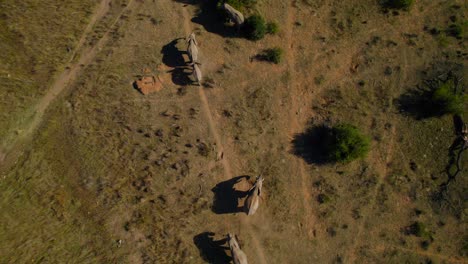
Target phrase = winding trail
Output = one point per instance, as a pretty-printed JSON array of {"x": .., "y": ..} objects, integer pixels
[
  {"x": 12, "y": 147},
  {"x": 220, "y": 149}
]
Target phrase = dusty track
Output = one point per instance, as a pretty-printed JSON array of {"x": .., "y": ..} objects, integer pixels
[
  {"x": 12, "y": 149},
  {"x": 220, "y": 149},
  {"x": 309, "y": 218}
]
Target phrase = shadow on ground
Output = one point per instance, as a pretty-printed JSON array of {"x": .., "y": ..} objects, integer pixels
[
  {"x": 416, "y": 104},
  {"x": 212, "y": 251},
  {"x": 212, "y": 19},
  {"x": 226, "y": 196},
  {"x": 310, "y": 145},
  {"x": 173, "y": 57}
]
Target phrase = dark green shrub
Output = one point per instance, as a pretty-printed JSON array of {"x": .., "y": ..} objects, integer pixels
[
  {"x": 346, "y": 143},
  {"x": 457, "y": 30},
  {"x": 274, "y": 55},
  {"x": 420, "y": 230},
  {"x": 272, "y": 28},
  {"x": 323, "y": 198},
  {"x": 399, "y": 4},
  {"x": 445, "y": 100},
  {"x": 255, "y": 27}
]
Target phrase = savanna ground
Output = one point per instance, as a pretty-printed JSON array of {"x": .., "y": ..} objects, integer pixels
[{"x": 99, "y": 173}]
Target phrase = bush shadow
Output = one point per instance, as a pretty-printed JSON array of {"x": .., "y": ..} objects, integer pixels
[
  {"x": 212, "y": 251},
  {"x": 311, "y": 144},
  {"x": 226, "y": 197}
]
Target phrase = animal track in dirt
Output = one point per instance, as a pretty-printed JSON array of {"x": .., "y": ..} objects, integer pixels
[{"x": 225, "y": 159}]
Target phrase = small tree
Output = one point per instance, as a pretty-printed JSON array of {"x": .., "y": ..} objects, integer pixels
[
  {"x": 399, "y": 4},
  {"x": 446, "y": 100},
  {"x": 346, "y": 143},
  {"x": 255, "y": 27}
]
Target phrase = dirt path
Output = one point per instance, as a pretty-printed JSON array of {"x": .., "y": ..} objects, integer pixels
[
  {"x": 12, "y": 149},
  {"x": 102, "y": 9},
  {"x": 246, "y": 226},
  {"x": 294, "y": 126},
  {"x": 382, "y": 167}
]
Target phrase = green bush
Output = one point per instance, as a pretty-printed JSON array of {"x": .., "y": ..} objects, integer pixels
[
  {"x": 346, "y": 143},
  {"x": 272, "y": 28},
  {"x": 399, "y": 4},
  {"x": 445, "y": 100},
  {"x": 420, "y": 230},
  {"x": 457, "y": 30},
  {"x": 255, "y": 27},
  {"x": 274, "y": 55}
]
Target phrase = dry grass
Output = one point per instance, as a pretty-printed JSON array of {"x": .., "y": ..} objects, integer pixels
[
  {"x": 36, "y": 42},
  {"x": 110, "y": 165}
]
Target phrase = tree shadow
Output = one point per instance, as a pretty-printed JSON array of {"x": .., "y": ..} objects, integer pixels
[
  {"x": 416, "y": 103},
  {"x": 227, "y": 197},
  {"x": 311, "y": 144},
  {"x": 212, "y": 251}
]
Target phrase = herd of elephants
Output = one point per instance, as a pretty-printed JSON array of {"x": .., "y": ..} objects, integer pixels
[{"x": 253, "y": 195}]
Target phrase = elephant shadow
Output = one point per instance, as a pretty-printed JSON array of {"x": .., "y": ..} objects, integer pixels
[{"x": 226, "y": 196}]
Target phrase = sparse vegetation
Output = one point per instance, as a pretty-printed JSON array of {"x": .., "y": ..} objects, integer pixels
[
  {"x": 346, "y": 143},
  {"x": 255, "y": 27}
]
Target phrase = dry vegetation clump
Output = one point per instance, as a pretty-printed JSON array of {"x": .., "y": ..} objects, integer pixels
[
  {"x": 272, "y": 28},
  {"x": 273, "y": 55}
]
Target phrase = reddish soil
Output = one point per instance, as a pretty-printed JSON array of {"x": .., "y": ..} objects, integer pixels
[{"x": 149, "y": 84}]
